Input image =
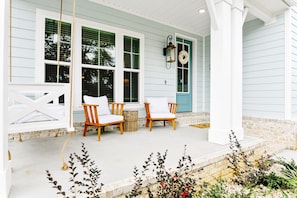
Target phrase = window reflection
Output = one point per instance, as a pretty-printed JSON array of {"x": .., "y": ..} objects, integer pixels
[{"x": 98, "y": 82}]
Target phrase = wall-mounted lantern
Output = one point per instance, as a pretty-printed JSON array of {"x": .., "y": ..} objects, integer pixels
[{"x": 169, "y": 51}]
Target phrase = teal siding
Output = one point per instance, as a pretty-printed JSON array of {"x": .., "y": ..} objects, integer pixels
[{"x": 263, "y": 69}]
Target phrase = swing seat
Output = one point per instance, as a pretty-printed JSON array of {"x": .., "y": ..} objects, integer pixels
[{"x": 100, "y": 113}]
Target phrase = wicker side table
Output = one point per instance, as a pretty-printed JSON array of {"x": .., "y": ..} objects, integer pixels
[{"x": 131, "y": 120}]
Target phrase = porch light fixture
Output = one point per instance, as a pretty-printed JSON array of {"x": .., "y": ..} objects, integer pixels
[{"x": 169, "y": 51}]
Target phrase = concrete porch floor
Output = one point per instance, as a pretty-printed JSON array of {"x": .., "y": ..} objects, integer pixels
[{"x": 116, "y": 155}]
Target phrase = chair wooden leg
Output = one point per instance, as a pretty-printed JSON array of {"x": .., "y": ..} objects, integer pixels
[
  {"x": 99, "y": 133},
  {"x": 151, "y": 125},
  {"x": 146, "y": 122},
  {"x": 173, "y": 124},
  {"x": 121, "y": 128},
  {"x": 164, "y": 123},
  {"x": 85, "y": 130}
]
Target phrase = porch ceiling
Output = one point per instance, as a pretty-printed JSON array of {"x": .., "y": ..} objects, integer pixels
[{"x": 185, "y": 14}]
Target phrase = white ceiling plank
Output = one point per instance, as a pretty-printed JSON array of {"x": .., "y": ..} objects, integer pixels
[{"x": 184, "y": 14}]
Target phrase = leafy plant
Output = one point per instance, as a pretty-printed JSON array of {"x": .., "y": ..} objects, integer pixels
[
  {"x": 289, "y": 172},
  {"x": 173, "y": 184},
  {"x": 252, "y": 178},
  {"x": 55, "y": 184},
  {"x": 217, "y": 190},
  {"x": 139, "y": 178},
  {"x": 247, "y": 170},
  {"x": 221, "y": 190},
  {"x": 82, "y": 185}
]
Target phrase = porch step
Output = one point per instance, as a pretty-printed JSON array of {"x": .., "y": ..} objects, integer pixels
[{"x": 185, "y": 119}]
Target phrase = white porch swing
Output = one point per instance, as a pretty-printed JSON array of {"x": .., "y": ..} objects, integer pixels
[{"x": 36, "y": 107}]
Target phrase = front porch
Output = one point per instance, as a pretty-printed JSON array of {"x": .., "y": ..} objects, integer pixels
[{"x": 116, "y": 155}]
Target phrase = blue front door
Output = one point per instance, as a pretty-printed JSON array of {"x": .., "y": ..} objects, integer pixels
[{"x": 184, "y": 75}]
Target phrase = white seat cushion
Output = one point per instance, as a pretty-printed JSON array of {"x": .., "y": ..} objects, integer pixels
[
  {"x": 102, "y": 101},
  {"x": 110, "y": 118},
  {"x": 162, "y": 115},
  {"x": 158, "y": 105}
]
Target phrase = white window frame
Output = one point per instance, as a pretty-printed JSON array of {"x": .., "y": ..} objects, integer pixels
[{"x": 77, "y": 84}]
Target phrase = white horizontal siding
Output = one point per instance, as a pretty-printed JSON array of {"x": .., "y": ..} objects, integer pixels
[
  {"x": 294, "y": 60},
  {"x": 207, "y": 74},
  {"x": 263, "y": 69},
  {"x": 155, "y": 72},
  {"x": 23, "y": 43},
  {"x": 200, "y": 78}
]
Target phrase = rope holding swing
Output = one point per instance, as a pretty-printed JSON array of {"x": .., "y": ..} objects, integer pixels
[
  {"x": 59, "y": 40},
  {"x": 65, "y": 166}
]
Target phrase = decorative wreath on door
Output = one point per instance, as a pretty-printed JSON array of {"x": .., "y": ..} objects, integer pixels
[{"x": 183, "y": 57}]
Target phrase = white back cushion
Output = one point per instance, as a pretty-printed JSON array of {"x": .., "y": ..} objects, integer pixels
[
  {"x": 158, "y": 104},
  {"x": 102, "y": 101}
]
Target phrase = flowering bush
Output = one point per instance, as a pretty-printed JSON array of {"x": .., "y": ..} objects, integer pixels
[{"x": 171, "y": 184}]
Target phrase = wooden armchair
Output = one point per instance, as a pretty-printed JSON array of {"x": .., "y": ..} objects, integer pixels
[
  {"x": 100, "y": 113},
  {"x": 159, "y": 109}
]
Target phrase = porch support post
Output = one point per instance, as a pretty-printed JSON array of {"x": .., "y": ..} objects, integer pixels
[
  {"x": 236, "y": 59},
  {"x": 5, "y": 170},
  {"x": 226, "y": 72}
]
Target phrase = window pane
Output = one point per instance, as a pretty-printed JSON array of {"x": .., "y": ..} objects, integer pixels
[
  {"x": 179, "y": 80},
  {"x": 89, "y": 46},
  {"x": 90, "y": 82},
  {"x": 51, "y": 73},
  {"x": 186, "y": 80},
  {"x": 135, "y": 61},
  {"x": 131, "y": 61},
  {"x": 131, "y": 52},
  {"x": 134, "y": 96},
  {"x": 130, "y": 87},
  {"x": 135, "y": 45},
  {"x": 65, "y": 52},
  {"x": 98, "y": 47},
  {"x": 96, "y": 82},
  {"x": 127, "y": 44},
  {"x": 127, "y": 60},
  {"x": 52, "y": 39},
  {"x": 107, "y": 49},
  {"x": 50, "y": 50},
  {"x": 65, "y": 49}
]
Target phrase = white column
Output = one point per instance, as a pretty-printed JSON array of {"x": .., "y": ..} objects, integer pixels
[
  {"x": 236, "y": 58},
  {"x": 220, "y": 74},
  {"x": 5, "y": 170},
  {"x": 226, "y": 72}
]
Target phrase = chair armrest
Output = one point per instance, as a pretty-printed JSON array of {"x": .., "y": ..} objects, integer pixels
[
  {"x": 172, "y": 107},
  {"x": 147, "y": 109},
  {"x": 116, "y": 108}
]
